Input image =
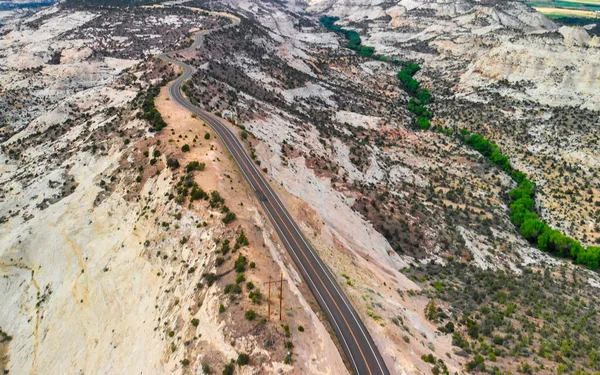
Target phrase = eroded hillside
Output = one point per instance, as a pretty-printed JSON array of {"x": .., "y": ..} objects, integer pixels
[
  {"x": 110, "y": 226},
  {"x": 332, "y": 129},
  {"x": 125, "y": 249}
]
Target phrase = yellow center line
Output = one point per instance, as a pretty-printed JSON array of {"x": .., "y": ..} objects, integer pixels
[
  {"x": 251, "y": 168},
  {"x": 305, "y": 257}
]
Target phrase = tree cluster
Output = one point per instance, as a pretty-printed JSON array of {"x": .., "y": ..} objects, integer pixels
[
  {"x": 354, "y": 41},
  {"x": 421, "y": 97},
  {"x": 150, "y": 113},
  {"x": 522, "y": 209}
]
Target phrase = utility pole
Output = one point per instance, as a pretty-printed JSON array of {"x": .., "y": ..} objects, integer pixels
[
  {"x": 280, "y": 282},
  {"x": 280, "y": 293},
  {"x": 269, "y": 301}
]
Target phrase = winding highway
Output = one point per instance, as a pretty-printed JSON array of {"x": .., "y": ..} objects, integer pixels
[{"x": 356, "y": 341}]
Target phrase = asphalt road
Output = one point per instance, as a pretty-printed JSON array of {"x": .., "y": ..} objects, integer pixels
[{"x": 350, "y": 330}]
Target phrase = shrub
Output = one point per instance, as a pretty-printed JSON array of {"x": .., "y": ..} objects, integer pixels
[
  {"x": 255, "y": 296},
  {"x": 449, "y": 327},
  {"x": 250, "y": 315},
  {"x": 232, "y": 288},
  {"x": 423, "y": 122},
  {"x": 300, "y": 328},
  {"x": 210, "y": 278},
  {"x": 228, "y": 218},
  {"x": 476, "y": 364},
  {"x": 243, "y": 359},
  {"x": 172, "y": 163},
  {"x": 225, "y": 247},
  {"x": 215, "y": 199},
  {"x": 195, "y": 322},
  {"x": 150, "y": 113},
  {"x": 185, "y": 148},
  {"x": 228, "y": 369},
  {"x": 240, "y": 264},
  {"x": 195, "y": 166},
  {"x": 431, "y": 311},
  {"x": 242, "y": 240},
  {"x": 207, "y": 136}
]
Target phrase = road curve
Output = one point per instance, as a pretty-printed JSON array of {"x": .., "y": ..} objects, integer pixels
[{"x": 350, "y": 330}]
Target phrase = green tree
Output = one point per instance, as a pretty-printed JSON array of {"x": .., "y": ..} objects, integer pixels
[
  {"x": 532, "y": 228},
  {"x": 423, "y": 122},
  {"x": 366, "y": 51},
  {"x": 431, "y": 311},
  {"x": 250, "y": 315},
  {"x": 590, "y": 257},
  {"x": 424, "y": 96},
  {"x": 243, "y": 359},
  {"x": 476, "y": 364},
  {"x": 229, "y": 368}
]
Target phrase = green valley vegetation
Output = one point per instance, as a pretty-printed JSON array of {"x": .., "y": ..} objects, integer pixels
[
  {"x": 522, "y": 198},
  {"x": 150, "y": 113},
  {"x": 419, "y": 97},
  {"x": 522, "y": 209},
  {"x": 354, "y": 41},
  {"x": 109, "y": 3}
]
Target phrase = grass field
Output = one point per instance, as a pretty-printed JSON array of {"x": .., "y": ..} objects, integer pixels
[
  {"x": 540, "y": 3},
  {"x": 567, "y": 8},
  {"x": 576, "y": 5},
  {"x": 591, "y": 2},
  {"x": 562, "y": 12}
]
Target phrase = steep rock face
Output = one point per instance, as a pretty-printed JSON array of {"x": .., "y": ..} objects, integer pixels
[
  {"x": 560, "y": 71},
  {"x": 67, "y": 283}
]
